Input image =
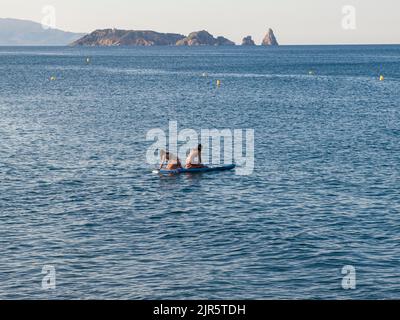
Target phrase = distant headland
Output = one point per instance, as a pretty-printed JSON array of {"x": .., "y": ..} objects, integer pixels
[
  {"x": 17, "y": 32},
  {"x": 116, "y": 37}
]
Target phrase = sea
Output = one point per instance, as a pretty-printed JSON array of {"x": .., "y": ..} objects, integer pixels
[{"x": 82, "y": 215}]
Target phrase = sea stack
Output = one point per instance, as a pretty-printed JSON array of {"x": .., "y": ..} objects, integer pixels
[
  {"x": 248, "y": 41},
  {"x": 269, "y": 39}
]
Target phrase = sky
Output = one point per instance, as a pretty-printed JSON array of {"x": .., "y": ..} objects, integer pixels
[{"x": 293, "y": 21}]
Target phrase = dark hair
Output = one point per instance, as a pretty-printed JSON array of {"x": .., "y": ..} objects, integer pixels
[{"x": 199, "y": 147}]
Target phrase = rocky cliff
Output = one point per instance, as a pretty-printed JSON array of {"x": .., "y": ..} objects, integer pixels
[
  {"x": 115, "y": 37},
  {"x": 203, "y": 38},
  {"x": 269, "y": 39},
  {"x": 248, "y": 41}
]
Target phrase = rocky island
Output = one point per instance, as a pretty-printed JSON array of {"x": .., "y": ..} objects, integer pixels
[
  {"x": 116, "y": 37},
  {"x": 248, "y": 41},
  {"x": 203, "y": 38}
]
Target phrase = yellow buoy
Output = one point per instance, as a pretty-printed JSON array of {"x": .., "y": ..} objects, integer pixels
[
  {"x": 52, "y": 78},
  {"x": 381, "y": 78},
  {"x": 310, "y": 72},
  {"x": 218, "y": 83}
]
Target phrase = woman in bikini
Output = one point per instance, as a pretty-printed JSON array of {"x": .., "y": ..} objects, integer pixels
[
  {"x": 171, "y": 161},
  {"x": 193, "y": 160}
]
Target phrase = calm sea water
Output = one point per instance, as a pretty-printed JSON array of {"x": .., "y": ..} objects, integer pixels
[{"x": 76, "y": 192}]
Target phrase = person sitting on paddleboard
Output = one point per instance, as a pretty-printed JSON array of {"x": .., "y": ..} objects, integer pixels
[
  {"x": 170, "y": 160},
  {"x": 193, "y": 160}
]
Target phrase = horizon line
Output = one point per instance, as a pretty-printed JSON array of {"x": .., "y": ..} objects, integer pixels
[{"x": 211, "y": 46}]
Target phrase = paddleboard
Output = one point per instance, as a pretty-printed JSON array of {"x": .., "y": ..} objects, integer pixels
[{"x": 196, "y": 170}]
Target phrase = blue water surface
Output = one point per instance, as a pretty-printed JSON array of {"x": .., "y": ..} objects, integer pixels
[{"x": 76, "y": 192}]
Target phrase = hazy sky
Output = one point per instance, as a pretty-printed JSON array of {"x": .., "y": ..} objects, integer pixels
[{"x": 294, "y": 21}]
